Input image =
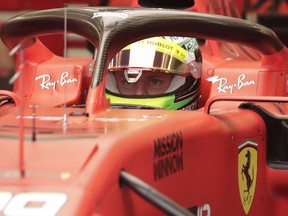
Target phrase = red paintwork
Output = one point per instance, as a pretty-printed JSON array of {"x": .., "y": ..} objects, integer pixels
[
  {"x": 48, "y": 68},
  {"x": 93, "y": 151},
  {"x": 82, "y": 156}
]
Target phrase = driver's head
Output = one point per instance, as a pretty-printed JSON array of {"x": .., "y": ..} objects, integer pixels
[{"x": 159, "y": 72}]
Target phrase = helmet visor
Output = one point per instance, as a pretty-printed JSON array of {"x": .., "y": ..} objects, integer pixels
[{"x": 155, "y": 53}]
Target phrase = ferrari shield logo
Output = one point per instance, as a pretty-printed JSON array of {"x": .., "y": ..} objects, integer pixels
[{"x": 247, "y": 172}]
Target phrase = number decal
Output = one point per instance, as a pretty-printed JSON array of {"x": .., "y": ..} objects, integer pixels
[
  {"x": 32, "y": 204},
  {"x": 4, "y": 199}
]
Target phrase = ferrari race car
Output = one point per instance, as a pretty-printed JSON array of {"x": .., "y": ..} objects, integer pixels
[{"x": 66, "y": 150}]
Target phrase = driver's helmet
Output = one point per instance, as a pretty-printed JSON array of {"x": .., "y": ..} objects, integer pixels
[{"x": 159, "y": 72}]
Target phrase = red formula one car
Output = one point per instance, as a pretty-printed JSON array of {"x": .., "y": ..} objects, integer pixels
[{"x": 65, "y": 150}]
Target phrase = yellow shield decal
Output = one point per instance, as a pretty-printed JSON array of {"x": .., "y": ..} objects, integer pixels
[{"x": 247, "y": 173}]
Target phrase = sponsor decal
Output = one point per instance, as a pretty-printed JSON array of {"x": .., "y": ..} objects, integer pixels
[
  {"x": 191, "y": 106},
  {"x": 32, "y": 204},
  {"x": 168, "y": 155},
  {"x": 247, "y": 173},
  {"x": 111, "y": 14},
  {"x": 162, "y": 45},
  {"x": 203, "y": 210},
  {"x": 46, "y": 82},
  {"x": 225, "y": 87}
]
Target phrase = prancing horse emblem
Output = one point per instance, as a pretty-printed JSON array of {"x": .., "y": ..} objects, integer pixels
[
  {"x": 245, "y": 173},
  {"x": 247, "y": 170}
]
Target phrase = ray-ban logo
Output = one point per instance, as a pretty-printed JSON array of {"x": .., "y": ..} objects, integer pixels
[{"x": 47, "y": 83}]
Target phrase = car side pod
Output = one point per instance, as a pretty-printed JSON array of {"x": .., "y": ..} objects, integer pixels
[
  {"x": 277, "y": 132},
  {"x": 276, "y": 123}
]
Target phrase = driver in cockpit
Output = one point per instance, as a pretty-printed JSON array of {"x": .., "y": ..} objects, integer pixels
[{"x": 159, "y": 72}]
